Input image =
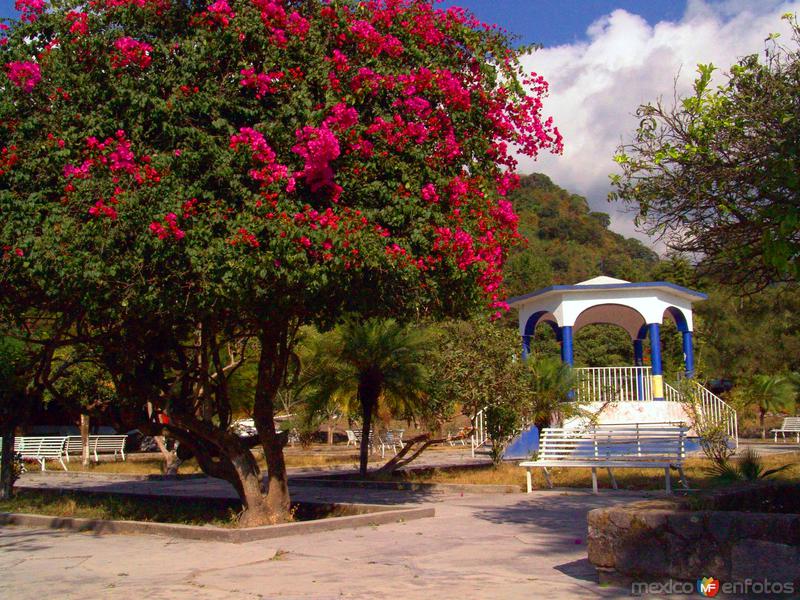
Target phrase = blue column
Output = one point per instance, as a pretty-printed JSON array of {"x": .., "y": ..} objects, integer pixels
[
  {"x": 655, "y": 361},
  {"x": 688, "y": 354},
  {"x": 638, "y": 352},
  {"x": 566, "y": 345},
  {"x": 526, "y": 347},
  {"x": 638, "y": 360}
]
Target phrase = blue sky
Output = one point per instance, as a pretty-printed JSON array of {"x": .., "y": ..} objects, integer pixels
[{"x": 555, "y": 22}]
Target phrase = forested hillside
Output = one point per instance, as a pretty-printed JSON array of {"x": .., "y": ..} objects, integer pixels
[{"x": 567, "y": 242}]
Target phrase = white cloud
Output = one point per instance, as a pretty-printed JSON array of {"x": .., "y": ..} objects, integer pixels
[{"x": 596, "y": 85}]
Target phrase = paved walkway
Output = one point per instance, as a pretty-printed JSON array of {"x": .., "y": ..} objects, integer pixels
[{"x": 477, "y": 546}]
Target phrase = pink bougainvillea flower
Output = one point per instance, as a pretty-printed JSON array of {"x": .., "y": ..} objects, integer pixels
[
  {"x": 24, "y": 74},
  {"x": 80, "y": 22},
  {"x": 219, "y": 13},
  {"x": 262, "y": 83},
  {"x": 101, "y": 209},
  {"x": 131, "y": 52},
  {"x": 317, "y": 146},
  {"x": 30, "y": 9},
  {"x": 168, "y": 228}
]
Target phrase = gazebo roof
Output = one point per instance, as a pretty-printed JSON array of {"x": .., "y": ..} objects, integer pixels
[
  {"x": 607, "y": 300},
  {"x": 609, "y": 284}
]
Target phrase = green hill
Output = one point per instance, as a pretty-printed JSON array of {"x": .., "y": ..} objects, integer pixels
[{"x": 567, "y": 242}]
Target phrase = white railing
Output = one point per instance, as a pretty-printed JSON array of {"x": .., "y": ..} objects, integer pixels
[
  {"x": 711, "y": 407},
  {"x": 629, "y": 384},
  {"x": 613, "y": 384},
  {"x": 479, "y": 436},
  {"x": 671, "y": 394}
]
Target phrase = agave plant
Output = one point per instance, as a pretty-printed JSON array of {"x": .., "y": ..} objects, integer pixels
[{"x": 748, "y": 467}]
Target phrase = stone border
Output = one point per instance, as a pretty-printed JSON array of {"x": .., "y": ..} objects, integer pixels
[
  {"x": 379, "y": 516},
  {"x": 456, "y": 488},
  {"x": 658, "y": 540}
]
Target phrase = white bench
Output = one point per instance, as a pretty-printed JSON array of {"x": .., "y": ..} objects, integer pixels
[
  {"x": 613, "y": 446},
  {"x": 393, "y": 439},
  {"x": 41, "y": 449},
  {"x": 790, "y": 425},
  {"x": 98, "y": 444},
  {"x": 351, "y": 437},
  {"x": 370, "y": 443}
]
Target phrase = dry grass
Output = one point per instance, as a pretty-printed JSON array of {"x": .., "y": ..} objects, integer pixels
[
  {"x": 631, "y": 479},
  {"x": 295, "y": 458},
  {"x": 160, "y": 510}
]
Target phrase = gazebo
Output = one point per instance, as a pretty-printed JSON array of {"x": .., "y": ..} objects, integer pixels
[{"x": 636, "y": 393}]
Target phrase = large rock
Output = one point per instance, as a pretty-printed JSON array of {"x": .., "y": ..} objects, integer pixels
[{"x": 663, "y": 539}]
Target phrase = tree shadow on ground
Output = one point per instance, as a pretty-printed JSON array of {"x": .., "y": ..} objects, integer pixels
[{"x": 26, "y": 540}]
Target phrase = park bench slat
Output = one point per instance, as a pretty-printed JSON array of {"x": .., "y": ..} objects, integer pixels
[
  {"x": 790, "y": 425},
  {"x": 41, "y": 448},
  {"x": 644, "y": 445},
  {"x": 98, "y": 444}
]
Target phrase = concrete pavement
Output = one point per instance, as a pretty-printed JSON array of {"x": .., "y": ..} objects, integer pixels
[{"x": 477, "y": 546}]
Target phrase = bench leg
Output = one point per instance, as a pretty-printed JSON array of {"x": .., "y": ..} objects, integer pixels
[
  {"x": 529, "y": 478},
  {"x": 668, "y": 480},
  {"x": 613, "y": 480},
  {"x": 41, "y": 460},
  {"x": 547, "y": 478},
  {"x": 63, "y": 465},
  {"x": 684, "y": 481},
  {"x": 594, "y": 480}
]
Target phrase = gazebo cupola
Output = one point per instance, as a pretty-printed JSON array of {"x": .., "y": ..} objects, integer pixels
[{"x": 639, "y": 308}]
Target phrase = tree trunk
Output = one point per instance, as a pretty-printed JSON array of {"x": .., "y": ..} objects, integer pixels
[
  {"x": 275, "y": 350},
  {"x": 367, "y": 407},
  {"x": 85, "y": 438},
  {"x": 401, "y": 459},
  {"x": 6, "y": 465},
  {"x": 224, "y": 455},
  {"x": 369, "y": 390},
  {"x": 171, "y": 459},
  {"x": 762, "y": 414},
  {"x": 330, "y": 434}
]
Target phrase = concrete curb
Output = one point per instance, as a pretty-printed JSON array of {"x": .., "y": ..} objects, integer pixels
[
  {"x": 456, "y": 488},
  {"x": 120, "y": 476},
  {"x": 217, "y": 534}
]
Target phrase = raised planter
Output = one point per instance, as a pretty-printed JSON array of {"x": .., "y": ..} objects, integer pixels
[
  {"x": 714, "y": 536},
  {"x": 360, "y": 515}
]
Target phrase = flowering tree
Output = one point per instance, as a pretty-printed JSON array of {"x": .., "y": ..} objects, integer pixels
[{"x": 185, "y": 184}]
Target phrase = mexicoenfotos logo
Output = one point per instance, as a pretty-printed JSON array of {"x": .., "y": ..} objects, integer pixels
[{"x": 708, "y": 586}]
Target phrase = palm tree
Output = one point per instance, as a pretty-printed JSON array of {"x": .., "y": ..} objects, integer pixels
[
  {"x": 366, "y": 363},
  {"x": 771, "y": 393},
  {"x": 549, "y": 383}
]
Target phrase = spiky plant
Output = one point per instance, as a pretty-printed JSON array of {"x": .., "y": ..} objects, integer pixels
[{"x": 748, "y": 467}]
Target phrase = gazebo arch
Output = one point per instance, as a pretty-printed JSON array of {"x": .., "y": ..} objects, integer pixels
[
  {"x": 529, "y": 329},
  {"x": 622, "y": 315},
  {"x": 682, "y": 323}
]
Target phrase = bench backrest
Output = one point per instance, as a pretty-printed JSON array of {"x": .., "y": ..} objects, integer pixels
[
  {"x": 44, "y": 446},
  {"x": 622, "y": 442},
  {"x": 358, "y": 433},
  {"x": 791, "y": 424},
  {"x": 97, "y": 443},
  {"x": 394, "y": 436}
]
